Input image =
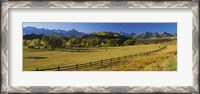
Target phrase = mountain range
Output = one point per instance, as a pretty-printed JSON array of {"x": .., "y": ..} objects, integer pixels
[
  {"x": 69, "y": 33},
  {"x": 73, "y": 32}
]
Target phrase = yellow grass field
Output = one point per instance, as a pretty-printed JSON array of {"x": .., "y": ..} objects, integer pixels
[{"x": 163, "y": 60}]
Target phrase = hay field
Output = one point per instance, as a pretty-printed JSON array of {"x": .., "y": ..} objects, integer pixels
[{"x": 39, "y": 58}]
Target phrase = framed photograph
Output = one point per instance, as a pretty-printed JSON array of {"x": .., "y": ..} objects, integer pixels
[{"x": 100, "y": 47}]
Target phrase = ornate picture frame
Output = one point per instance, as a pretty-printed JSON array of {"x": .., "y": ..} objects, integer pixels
[{"x": 6, "y": 5}]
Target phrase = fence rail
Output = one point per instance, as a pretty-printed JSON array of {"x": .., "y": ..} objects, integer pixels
[{"x": 104, "y": 62}]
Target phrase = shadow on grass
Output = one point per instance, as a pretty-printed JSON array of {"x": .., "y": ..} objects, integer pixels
[
  {"x": 36, "y": 57},
  {"x": 76, "y": 50},
  {"x": 70, "y": 50}
]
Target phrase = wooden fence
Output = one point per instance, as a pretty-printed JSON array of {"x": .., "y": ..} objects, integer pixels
[{"x": 104, "y": 62}]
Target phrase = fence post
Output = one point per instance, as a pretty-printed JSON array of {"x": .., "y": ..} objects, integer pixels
[
  {"x": 101, "y": 63},
  {"x": 58, "y": 68},
  {"x": 110, "y": 60},
  {"x": 90, "y": 64},
  {"x": 125, "y": 58},
  {"x": 118, "y": 59},
  {"x": 77, "y": 67},
  {"x": 37, "y": 69}
]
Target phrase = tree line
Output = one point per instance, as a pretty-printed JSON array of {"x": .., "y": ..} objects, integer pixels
[{"x": 54, "y": 42}]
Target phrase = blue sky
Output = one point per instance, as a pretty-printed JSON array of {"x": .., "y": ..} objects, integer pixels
[{"x": 115, "y": 27}]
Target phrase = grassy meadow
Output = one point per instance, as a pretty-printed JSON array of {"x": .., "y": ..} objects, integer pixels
[
  {"x": 164, "y": 60},
  {"x": 41, "y": 58}
]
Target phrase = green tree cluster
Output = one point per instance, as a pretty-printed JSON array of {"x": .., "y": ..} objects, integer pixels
[
  {"x": 51, "y": 42},
  {"x": 54, "y": 42}
]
